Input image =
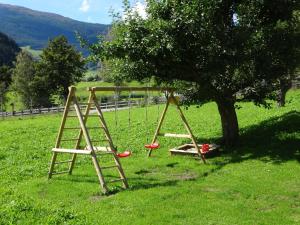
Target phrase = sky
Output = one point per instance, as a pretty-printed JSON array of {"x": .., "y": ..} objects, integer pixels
[{"x": 93, "y": 11}]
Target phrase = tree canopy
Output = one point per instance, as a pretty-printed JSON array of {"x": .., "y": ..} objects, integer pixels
[
  {"x": 60, "y": 66},
  {"x": 227, "y": 50}
]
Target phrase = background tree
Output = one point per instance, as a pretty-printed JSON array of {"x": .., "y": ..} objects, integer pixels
[
  {"x": 24, "y": 81},
  {"x": 5, "y": 81},
  {"x": 8, "y": 51},
  {"x": 287, "y": 54},
  {"x": 225, "y": 48},
  {"x": 60, "y": 66}
]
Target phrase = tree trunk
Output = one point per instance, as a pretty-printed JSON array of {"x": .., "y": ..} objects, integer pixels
[
  {"x": 229, "y": 121},
  {"x": 281, "y": 98},
  {"x": 284, "y": 86}
]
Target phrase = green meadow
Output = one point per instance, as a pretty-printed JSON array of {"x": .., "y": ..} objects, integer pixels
[{"x": 256, "y": 182}]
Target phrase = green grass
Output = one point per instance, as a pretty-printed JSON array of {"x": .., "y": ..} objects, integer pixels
[{"x": 257, "y": 182}]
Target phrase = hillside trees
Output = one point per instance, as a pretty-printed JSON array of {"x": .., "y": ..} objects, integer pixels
[
  {"x": 8, "y": 50},
  {"x": 223, "y": 48},
  {"x": 60, "y": 66},
  {"x": 30, "y": 88}
]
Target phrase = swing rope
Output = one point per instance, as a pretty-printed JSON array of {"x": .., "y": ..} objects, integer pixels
[
  {"x": 127, "y": 152},
  {"x": 152, "y": 145}
]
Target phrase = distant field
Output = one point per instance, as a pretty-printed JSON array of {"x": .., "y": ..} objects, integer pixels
[
  {"x": 257, "y": 182},
  {"x": 35, "y": 53}
]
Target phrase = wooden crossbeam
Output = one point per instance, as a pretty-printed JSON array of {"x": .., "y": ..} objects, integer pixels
[
  {"x": 175, "y": 135},
  {"x": 124, "y": 88},
  {"x": 74, "y": 151}
]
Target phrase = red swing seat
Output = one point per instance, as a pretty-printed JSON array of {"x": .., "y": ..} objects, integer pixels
[
  {"x": 152, "y": 146},
  {"x": 124, "y": 154}
]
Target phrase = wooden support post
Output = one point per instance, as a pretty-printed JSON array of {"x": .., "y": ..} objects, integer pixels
[
  {"x": 90, "y": 146},
  {"x": 159, "y": 125},
  {"x": 108, "y": 136},
  {"x": 77, "y": 145},
  {"x": 60, "y": 132},
  {"x": 187, "y": 127}
]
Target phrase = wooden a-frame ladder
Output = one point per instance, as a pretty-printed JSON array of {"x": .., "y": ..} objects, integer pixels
[
  {"x": 89, "y": 149},
  {"x": 171, "y": 99}
]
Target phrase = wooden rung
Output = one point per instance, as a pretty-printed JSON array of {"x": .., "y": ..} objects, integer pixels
[
  {"x": 86, "y": 103},
  {"x": 99, "y": 140},
  {"x": 175, "y": 135},
  {"x": 56, "y": 173},
  {"x": 72, "y": 128},
  {"x": 72, "y": 116},
  {"x": 68, "y": 161},
  {"x": 108, "y": 167},
  {"x": 77, "y": 151},
  {"x": 104, "y": 152},
  {"x": 116, "y": 180},
  {"x": 104, "y": 149},
  {"x": 71, "y": 139}
]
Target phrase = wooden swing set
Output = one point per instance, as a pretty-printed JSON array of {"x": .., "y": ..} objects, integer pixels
[{"x": 106, "y": 145}]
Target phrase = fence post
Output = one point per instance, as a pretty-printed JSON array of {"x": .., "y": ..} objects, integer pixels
[{"x": 12, "y": 109}]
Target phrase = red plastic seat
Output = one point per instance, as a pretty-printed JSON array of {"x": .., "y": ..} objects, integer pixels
[
  {"x": 205, "y": 148},
  {"x": 124, "y": 154},
  {"x": 152, "y": 146}
]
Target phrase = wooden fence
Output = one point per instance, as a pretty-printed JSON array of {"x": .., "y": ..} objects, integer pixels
[{"x": 108, "y": 106}]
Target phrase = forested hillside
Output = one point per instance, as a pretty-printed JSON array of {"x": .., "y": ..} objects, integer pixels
[
  {"x": 33, "y": 28},
  {"x": 8, "y": 50}
]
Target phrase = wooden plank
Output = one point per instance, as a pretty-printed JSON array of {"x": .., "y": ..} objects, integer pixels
[
  {"x": 61, "y": 162},
  {"x": 116, "y": 180},
  {"x": 61, "y": 172},
  {"x": 175, "y": 135},
  {"x": 124, "y": 88},
  {"x": 70, "y": 139},
  {"x": 99, "y": 148},
  {"x": 74, "y": 151},
  {"x": 108, "y": 167}
]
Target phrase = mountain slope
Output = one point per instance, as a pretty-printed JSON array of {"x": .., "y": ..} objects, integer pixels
[
  {"x": 8, "y": 50},
  {"x": 35, "y": 28}
]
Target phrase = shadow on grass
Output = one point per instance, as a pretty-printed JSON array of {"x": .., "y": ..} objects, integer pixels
[{"x": 275, "y": 140}]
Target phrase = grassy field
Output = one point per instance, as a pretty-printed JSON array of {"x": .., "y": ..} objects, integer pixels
[{"x": 257, "y": 182}]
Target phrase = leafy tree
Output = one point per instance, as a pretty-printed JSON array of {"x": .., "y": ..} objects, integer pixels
[
  {"x": 60, "y": 66},
  {"x": 224, "y": 48},
  {"x": 287, "y": 55},
  {"x": 5, "y": 80},
  {"x": 26, "y": 84}
]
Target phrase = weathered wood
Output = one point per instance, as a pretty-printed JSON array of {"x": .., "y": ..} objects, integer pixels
[
  {"x": 188, "y": 128},
  {"x": 108, "y": 167},
  {"x": 175, "y": 135},
  {"x": 122, "y": 88},
  {"x": 74, "y": 151},
  {"x": 116, "y": 180},
  {"x": 112, "y": 147},
  {"x": 190, "y": 149},
  {"x": 60, "y": 132}
]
